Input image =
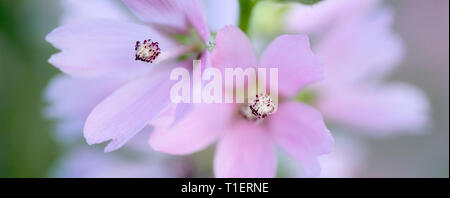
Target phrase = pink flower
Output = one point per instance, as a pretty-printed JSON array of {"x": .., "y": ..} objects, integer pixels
[
  {"x": 69, "y": 112},
  {"x": 105, "y": 48},
  {"x": 359, "y": 52},
  {"x": 246, "y": 145}
]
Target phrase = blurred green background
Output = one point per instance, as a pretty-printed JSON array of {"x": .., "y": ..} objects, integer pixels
[{"x": 27, "y": 148}]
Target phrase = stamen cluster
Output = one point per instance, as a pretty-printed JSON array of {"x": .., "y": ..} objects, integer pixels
[
  {"x": 258, "y": 108},
  {"x": 147, "y": 51}
]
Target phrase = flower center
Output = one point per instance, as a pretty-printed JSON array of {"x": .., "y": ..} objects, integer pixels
[
  {"x": 147, "y": 51},
  {"x": 258, "y": 108}
]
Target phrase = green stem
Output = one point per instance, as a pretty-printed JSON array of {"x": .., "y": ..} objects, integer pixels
[{"x": 245, "y": 13}]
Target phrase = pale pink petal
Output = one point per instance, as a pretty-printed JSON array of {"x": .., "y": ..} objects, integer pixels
[
  {"x": 221, "y": 13},
  {"x": 232, "y": 49},
  {"x": 245, "y": 150},
  {"x": 172, "y": 15},
  {"x": 300, "y": 130},
  {"x": 76, "y": 11},
  {"x": 128, "y": 110},
  {"x": 181, "y": 111},
  {"x": 205, "y": 123},
  {"x": 319, "y": 17},
  {"x": 101, "y": 48},
  {"x": 361, "y": 50},
  {"x": 205, "y": 57},
  {"x": 380, "y": 110},
  {"x": 197, "y": 18},
  {"x": 296, "y": 63},
  {"x": 72, "y": 99}
]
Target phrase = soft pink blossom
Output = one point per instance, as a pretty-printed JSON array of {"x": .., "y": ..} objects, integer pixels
[
  {"x": 360, "y": 50},
  {"x": 246, "y": 148},
  {"x": 104, "y": 48},
  {"x": 62, "y": 90}
]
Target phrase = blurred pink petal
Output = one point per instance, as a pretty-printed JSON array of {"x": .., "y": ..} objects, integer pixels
[
  {"x": 379, "y": 110},
  {"x": 171, "y": 15},
  {"x": 201, "y": 128},
  {"x": 233, "y": 49},
  {"x": 298, "y": 66},
  {"x": 77, "y": 11},
  {"x": 101, "y": 47},
  {"x": 71, "y": 112},
  {"x": 318, "y": 17},
  {"x": 361, "y": 50},
  {"x": 128, "y": 110},
  {"x": 300, "y": 130},
  {"x": 350, "y": 94},
  {"x": 245, "y": 150}
]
